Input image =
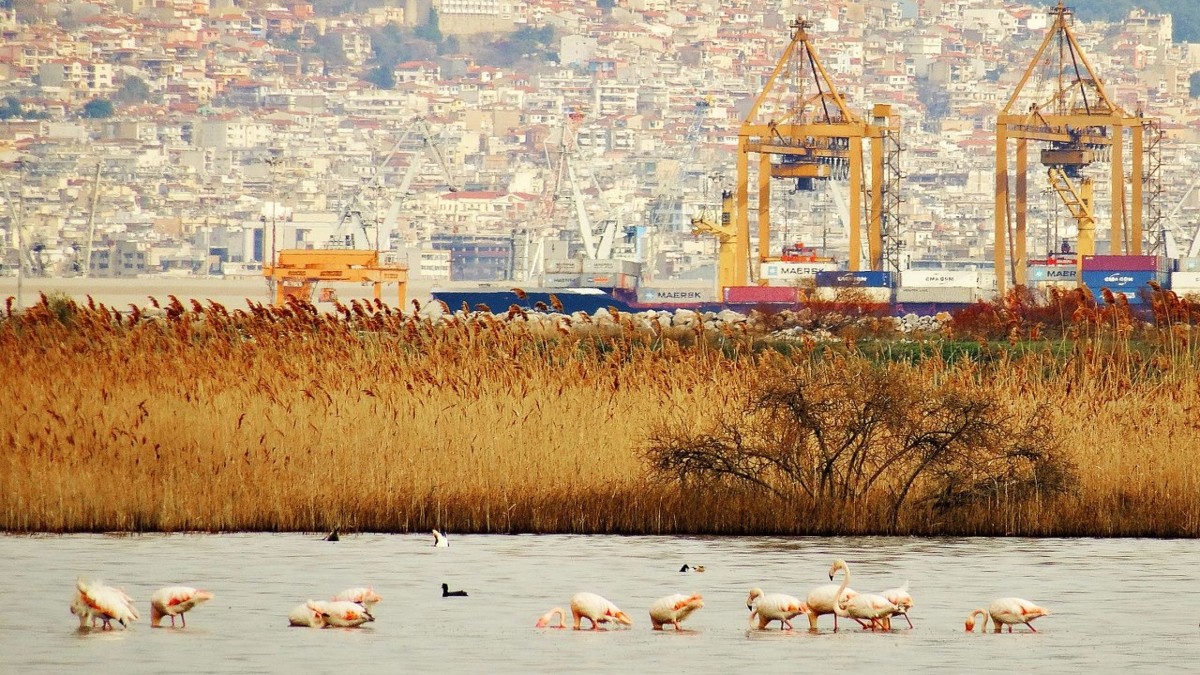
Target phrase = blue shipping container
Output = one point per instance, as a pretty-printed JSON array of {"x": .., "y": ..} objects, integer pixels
[
  {"x": 1129, "y": 283},
  {"x": 843, "y": 279}
]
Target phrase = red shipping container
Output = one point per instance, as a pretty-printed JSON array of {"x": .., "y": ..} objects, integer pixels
[
  {"x": 1124, "y": 263},
  {"x": 747, "y": 295}
]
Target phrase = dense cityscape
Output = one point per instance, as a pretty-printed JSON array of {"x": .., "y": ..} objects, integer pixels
[{"x": 470, "y": 137}]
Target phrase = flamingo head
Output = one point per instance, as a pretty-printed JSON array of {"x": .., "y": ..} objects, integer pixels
[
  {"x": 755, "y": 594},
  {"x": 838, "y": 564},
  {"x": 694, "y": 601},
  {"x": 621, "y": 618},
  {"x": 970, "y": 625}
]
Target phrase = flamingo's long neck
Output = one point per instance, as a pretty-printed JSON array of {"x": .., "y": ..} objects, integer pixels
[
  {"x": 156, "y": 615},
  {"x": 983, "y": 625},
  {"x": 838, "y": 610}
]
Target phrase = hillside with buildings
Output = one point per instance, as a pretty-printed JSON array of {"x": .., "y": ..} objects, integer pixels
[{"x": 163, "y": 136}]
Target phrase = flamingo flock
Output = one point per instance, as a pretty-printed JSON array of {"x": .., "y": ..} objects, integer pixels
[{"x": 94, "y": 602}]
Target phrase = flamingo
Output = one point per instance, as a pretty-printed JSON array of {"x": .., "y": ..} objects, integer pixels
[
  {"x": 175, "y": 600},
  {"x": 597, "y": 610},
  {"x": 820, "y": 601},
  {"x": 79, "y": 607},
  {"x": 341, "y": 613},
  {"x": 773, "y": 607},
  {"x": 367, "y": 597},
  {"x": 545, "y": 619},
  {"x": 304, "y": 615},
  {"x": 439, "y": 540},
  {"x": 106, "y": 603},
  {"x": 1007, "y": 612},
  {"x": 901, "y": 598},
  {"x": 870, "y": 607},
  {"x": 674, "y": 608}
]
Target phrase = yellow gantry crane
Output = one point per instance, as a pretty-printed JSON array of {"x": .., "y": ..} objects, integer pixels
[
  {"x": 1061, "y": 102},
  {"x": 801, "y": 129}
]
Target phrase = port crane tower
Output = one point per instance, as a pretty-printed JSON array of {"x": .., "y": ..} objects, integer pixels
[
  {"x": 1060, "y": 102},
  {"x": 801, "y": 129}
]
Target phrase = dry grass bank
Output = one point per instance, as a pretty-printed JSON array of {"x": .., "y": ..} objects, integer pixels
[{"x": 213, "y": 420}]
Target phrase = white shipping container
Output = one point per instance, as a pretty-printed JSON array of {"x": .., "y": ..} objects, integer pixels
[
  {"x": 942, "y": 279},
  {"x": 1189, "y": 264},
  {"x": 560, "y": 280},
  {"x": 611, "y": 267},
  {"x": 853, "y": 294},
  {"x": 665, "y": 295},
  {"x": 956, "y": 294},
  {"x": 796, "y": 270},
  {"x": 1185, "y": 280},
  {"x": 563, "y": 266}
]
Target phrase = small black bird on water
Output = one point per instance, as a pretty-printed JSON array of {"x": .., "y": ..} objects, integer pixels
[
  {"x": 333, "y": 536},
  {"x": 692, "y": 568},
  {"x": 447, "y": 593}
]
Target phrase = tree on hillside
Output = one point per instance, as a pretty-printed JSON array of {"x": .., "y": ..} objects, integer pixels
[
  {"x": 133, "y": 90},
  {"x": 381, "y": 76},
  {"x": 98, "y": 108}
]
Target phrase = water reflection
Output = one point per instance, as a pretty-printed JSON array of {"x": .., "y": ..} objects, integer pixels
[{"x": 1116, "y": 603}]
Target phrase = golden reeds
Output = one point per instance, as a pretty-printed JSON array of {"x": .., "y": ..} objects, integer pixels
[{"x": 203, "y": 418}]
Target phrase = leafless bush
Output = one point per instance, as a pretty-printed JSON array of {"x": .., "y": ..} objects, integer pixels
[{"x": 849, "y": 431}]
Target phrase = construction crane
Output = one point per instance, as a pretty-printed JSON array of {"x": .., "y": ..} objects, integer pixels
[
  {"x": 353, "y": 212},
  {"x": 726, "y": 233},
  {"x": 802, "y": 130},
  {"x": 1060, "y": 102}
]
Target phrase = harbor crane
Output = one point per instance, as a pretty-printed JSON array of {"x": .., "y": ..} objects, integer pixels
[
  {"x": 801, "y": 129},
  {"x": 431, "y": 145},
  {"x": 1061, "y": 103}
]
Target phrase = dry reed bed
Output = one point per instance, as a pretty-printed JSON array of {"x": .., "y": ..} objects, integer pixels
[{"x": 373, "y": 420}]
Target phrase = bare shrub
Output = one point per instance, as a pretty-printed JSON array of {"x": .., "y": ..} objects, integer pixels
[{"x": 851, "y": 431}]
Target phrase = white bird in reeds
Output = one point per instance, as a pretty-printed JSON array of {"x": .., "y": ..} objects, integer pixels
[
  {"x": 597, "y": 610},
  {"x": 674, "y": 608},
  {"x": 341, "y": 613},
  {"x": 822, "y": 600},
  {"x": 306, "y": 616},
  {"x": 106, "y": 603},
  {"x": 1007, "y": 612},
  {"x": 173, "y": 601},
  {"x": 870, "y": 607},
  {"x": 367, "y": 597},
  {"x": 901, "y": 598},
  {"x": 440, "y": 540},
  {"x": 773, "y": 607}
]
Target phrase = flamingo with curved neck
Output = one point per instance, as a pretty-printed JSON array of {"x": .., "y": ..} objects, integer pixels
[
  {"x": 545, "y": 619},
  {"x": 871, "y": 607}
]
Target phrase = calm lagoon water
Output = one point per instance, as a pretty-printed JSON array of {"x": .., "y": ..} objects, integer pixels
[{"x": 1118, "y": 605}]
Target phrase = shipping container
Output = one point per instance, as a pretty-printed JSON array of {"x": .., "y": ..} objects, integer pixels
[
  {"x": 1059, "y": 273},
  {"x": 560, "y": 280},
  {"x": 783, "y": 271},
  {"x": 940, "y": 279},
  {"x": 1186, "y": 265},
  {"x": 853, "y": 294},
  {"x": 945, "y": 294},
  {"x": 1124, "y": 263},
  {"x": 761, "y": 294},
  {"x": 842, "y": 279},
  {"x": 611, "y": 267},
  {"x": 661, "y": 295},
  {"x": 1121, "y": 281},
  {"x": 608, "y": 281},
  {"x": 564, "y": 266},
  {"x": 1189, "y": 281}
]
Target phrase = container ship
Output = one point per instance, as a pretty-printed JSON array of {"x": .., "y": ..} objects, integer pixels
[{"x": 913, "y": 291}]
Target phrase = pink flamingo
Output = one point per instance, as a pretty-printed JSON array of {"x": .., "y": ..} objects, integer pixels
[
  {"x": 901, "y": 598},
  {"x": 870, "y": 607},
  {"x": 773, "y": 607},
  {"x": 597, "y": 610},
  {"x": 107, "y": 603},
  {"x": 1007, "y": 612},
  {"x": 175, "y": 600},
  {"x": 545, "y": 619},
  {"x": 674, "y": 608},
  {"x": 367, "y": 597}
]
